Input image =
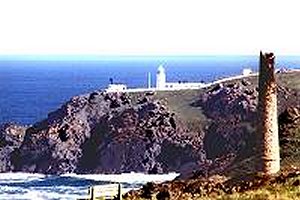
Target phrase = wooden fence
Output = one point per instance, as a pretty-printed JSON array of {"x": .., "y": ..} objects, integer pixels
[{"x": 104, "y": 192}]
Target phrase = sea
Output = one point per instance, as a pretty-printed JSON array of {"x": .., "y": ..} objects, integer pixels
[
  {"x": 33, "y": 86},
  {"x": 25, "y": 186}
]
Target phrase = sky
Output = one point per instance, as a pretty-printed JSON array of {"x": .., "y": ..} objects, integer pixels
[{"x": 149, "y": 27}]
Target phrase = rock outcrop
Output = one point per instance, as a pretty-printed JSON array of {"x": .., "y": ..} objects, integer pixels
[
  {"x": 232, "y": 109},
  {"x": 107, "y": 133},
  {"x": 112, "y": 133},
  {"x": 289, "y": 134},
  {"x": 11, "y": 137}
]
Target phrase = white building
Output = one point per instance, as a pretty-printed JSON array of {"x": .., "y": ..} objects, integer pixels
[
  {"x": 116, "y": 88},
  {"x": 247, "y": 71},
  {"x": 160, "y": 78},
  {"x": 183, "y": 85},
  {"x": 161, "y": 83}
]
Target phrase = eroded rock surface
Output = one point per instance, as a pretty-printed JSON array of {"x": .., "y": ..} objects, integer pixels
[
  {"x": 113, "y": 133},
  {"x": 101, "y": 132},
  {"x": 11, "y": 137}
]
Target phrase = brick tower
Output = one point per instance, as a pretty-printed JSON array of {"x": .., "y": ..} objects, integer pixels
[{"x": 267, "y": 115}]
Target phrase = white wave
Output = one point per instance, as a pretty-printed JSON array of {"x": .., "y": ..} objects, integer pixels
[
  {"x": 20, "y": 177},
  {"x": 25, "y": 186},
  {"x": 39, "y": 195},
  {"x": 130, "y": 178},
  {"x": 42, "y": 193}
]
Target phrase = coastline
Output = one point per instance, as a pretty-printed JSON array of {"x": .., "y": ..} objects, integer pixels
[{"x": 214, "y": 124}]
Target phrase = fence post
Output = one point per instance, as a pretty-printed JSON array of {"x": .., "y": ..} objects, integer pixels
[
  {"x": 93, "y": 193},
  {"x": 119, "y": 191}
]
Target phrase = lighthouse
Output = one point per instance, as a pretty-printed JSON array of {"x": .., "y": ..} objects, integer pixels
[{"x": 160, "y": 78}]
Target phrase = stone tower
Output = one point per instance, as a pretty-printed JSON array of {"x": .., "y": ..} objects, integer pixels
[
  {"x": 267, "y": 115},
  {"x": 160, "y": 78}
]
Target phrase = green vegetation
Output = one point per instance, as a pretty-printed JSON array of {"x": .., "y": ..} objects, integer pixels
[
  {"x": 283, "y": 186},
  {"x": 290, "y": 80},
  {"x": 290, "y": 149},
  {"x": 180, "y": 102},
  {"x": 290, "y": 189},
  {"x": 280, "y": 191}
]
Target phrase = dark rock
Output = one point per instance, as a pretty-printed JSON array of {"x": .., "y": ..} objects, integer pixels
[
  {"x": 143, "y": 100},
  {"x": 125, "y": 100},
  {"x": 147, "y": 190},
  {"x": 63, "y": 134},
  {"x": 231, "y": 85},
  {"x": 216, "y": 88},
  {"x": 229, "y": 102},
  {"x": 290, "y": 115},
  {"x": 114, "y": 104},
  {"x": 11, "y": 137},
  {"x": 151, "y": 113},
  {"x": 296, "y": 183},
  {"x": 245, "y": 82},
  {"x": 163, "y": 195},
  {"x": 97, "y": 133},
  {"x": 172, "y": 122},
  {"x": 93, "y": 97},
  {"x": 107, "y": 97},
  {"x": 150, "y": 93},
  {"x": 249, "y": 92},
  {"x": 233, "y": 113}
]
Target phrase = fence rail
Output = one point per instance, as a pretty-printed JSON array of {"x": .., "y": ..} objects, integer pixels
[{"x": 104, "y": 192}]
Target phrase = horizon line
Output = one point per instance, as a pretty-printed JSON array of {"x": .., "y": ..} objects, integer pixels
[{"x": 115, "y": 56}]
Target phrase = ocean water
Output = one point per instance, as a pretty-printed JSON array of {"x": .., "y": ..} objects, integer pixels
[
  {"x": 31, "y": 88},
  {"x": 25, "y": 186}
]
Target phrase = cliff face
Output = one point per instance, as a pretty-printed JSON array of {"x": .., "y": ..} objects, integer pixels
[
  {"x": 100, "y": 132},
  {"x": 11, "y": 137},
  {"x": 193, "y": 132},
  {"x": 233, "y": 110}
]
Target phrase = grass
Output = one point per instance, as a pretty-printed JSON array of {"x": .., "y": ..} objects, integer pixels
[
  {"x": 180, "y": 102},
  {"x": 290, "y": 80},
  {"x": 272, "y": 188},
  {"x": 269, "y": 192}
]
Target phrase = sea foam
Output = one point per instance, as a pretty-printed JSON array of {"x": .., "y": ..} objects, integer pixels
[{"x": 68, "y": 186}]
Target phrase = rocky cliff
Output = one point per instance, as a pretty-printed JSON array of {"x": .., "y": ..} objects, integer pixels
[
  {"x": 106, "y": 133},
  {"x": 198, "y": 132},
  {"x": 232, "y": 132}
]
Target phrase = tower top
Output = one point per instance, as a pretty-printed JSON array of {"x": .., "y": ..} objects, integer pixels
[{"x": 160, "y": 69}]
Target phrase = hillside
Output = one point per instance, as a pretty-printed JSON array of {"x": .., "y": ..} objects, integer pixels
[
  {"x": 238, "y": 178},
  {"x": 195, "y": 132}
]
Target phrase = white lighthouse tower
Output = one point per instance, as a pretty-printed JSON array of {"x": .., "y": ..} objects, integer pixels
[{"x": 160, "y": 78}]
